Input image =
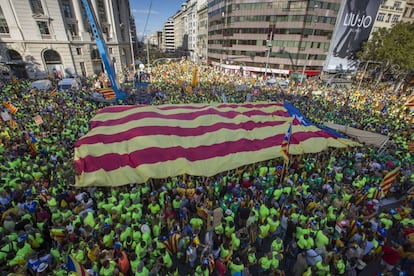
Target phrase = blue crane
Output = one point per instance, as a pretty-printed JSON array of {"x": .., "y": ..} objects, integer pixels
[{"x": 102, "y": 48}]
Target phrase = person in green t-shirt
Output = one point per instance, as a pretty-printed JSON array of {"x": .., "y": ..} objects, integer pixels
[
  {"x": 165, "y": 260},
  {"x": 108, "y": 268},
  {"x": 236, "y": 266},
  {"x": 265, "y": 264}
]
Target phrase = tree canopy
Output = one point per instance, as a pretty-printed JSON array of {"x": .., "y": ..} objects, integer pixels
[{"x": 393, "y": 48}]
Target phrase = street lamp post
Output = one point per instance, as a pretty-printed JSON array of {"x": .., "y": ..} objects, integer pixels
[
  {"x": 133, "y": 57},
  {"x": 148, "y": 56},
  {"x": 307, "y": 55},
  {"x": 268, "y": 48}
]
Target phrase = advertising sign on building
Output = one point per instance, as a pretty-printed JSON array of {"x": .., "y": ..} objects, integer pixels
[{"x": 353, "y": 27}]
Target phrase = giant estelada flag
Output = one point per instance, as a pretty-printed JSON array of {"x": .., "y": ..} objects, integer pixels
[{"x": 130, "y": 144}]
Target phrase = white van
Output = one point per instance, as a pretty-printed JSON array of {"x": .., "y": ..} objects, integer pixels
[
  {"x": 68, "y": 84},
  {"x": 41, "y": 85}
]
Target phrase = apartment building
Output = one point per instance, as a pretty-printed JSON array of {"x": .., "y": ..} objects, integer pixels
[
  {"x": 38, "y": 36},
  {"x": 202, "y": 33},
  {"x": 389, "y": 13},
  {"x": 180, "y": 23},
  {"x": 408, "y": 14},
  {"x": 168, "y": 44}
]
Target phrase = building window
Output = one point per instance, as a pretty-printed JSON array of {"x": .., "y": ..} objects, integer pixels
[
  {"x": 72, "y": 29},
  {"x": 36, "y": 6},
  {"x": 110, "y": 51},
  {"x": 395, "y": 19},
  {"x": 380, "y": 16},
  {"x": 101, "y": 13},
  {"x": 95, "y": 54},
  {"x": 397, "y": 4},
  {"x": 43, "y": 27},
  {"x": 388, "y": 18},
  {"x": 67, "y": 10},
  {"x": 4, "y": 28},
  {"x": 79, "y": 51}
]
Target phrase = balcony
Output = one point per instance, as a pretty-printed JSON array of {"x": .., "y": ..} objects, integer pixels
[{"x": 40, "y": 16}]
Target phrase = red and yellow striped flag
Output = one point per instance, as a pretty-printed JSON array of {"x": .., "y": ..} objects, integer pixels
[
  {"x": 389, "y": 179},
  {"x": 130, "y": 144},
  {"x": 171, "y": 244},
  {"x": 76, "y": 267},
  {"x": 377, "y": 194},
  {"x": 10, "y": 107},
  {"x": 108, "y": 93},
  {"x": 361, "y": 196},
  {"x": 284, "y": 148},
  {"x": 352, "y": 229}
]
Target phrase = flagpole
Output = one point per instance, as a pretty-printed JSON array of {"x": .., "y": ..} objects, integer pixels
[
  {"x": 283, "y": 172},
  {"x": 286, "y": 162}
]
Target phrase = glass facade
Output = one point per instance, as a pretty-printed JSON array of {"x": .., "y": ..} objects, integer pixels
[{"x": 279, "y": 34}]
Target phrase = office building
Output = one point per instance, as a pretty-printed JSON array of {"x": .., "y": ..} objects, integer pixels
[{"x": 271, "y": 37}]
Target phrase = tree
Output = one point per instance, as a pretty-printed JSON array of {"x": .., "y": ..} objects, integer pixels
[{"x": 393, "y": 49}]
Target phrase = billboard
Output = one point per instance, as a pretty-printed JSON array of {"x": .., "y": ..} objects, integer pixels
[{"x": 353, "y": 27}]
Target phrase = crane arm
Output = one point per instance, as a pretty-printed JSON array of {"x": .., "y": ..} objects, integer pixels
[{"x": 103, "y": 49}]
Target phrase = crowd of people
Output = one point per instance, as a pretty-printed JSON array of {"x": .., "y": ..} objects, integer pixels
[{"x": 323, "y": 215}]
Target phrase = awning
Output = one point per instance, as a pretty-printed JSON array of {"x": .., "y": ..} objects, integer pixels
[{"x": 312, "y": 72}]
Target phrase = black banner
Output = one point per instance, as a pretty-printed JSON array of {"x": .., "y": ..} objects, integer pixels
[{"x": 354, "y": 25}]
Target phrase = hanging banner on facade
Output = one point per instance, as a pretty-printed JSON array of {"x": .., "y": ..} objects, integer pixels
[{"x": 354, "y": 25}]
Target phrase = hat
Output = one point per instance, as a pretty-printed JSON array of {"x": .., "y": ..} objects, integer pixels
[
  {"x": 228, "y": 212},
  {"x": 145, "y": 228}
]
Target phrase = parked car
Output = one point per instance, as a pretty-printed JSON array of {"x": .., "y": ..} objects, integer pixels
[{"x": 69, "y": 84}]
